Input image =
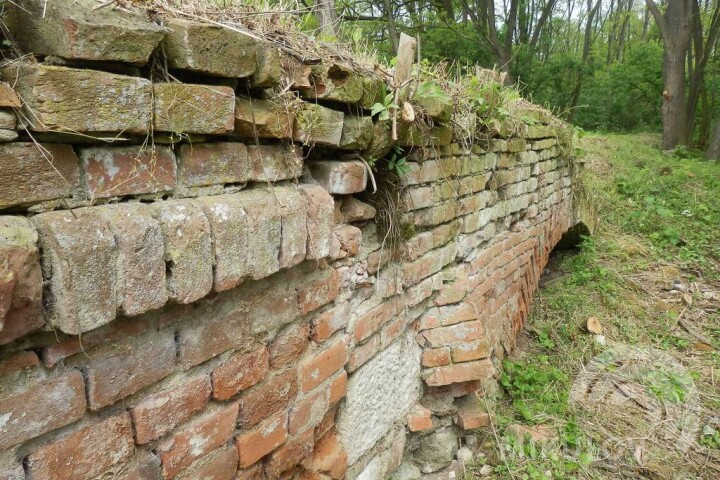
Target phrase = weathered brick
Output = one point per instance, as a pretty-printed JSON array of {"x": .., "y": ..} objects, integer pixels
[
  {"x": 271, "y": 396},
  {"x": 205, "y": 164},
  {"x": 218, "y": 465},
  {"x": 261, "y": 440},
  {"x": 294, "y": 225},
  {"x": 350, "y": 238},
  {"x": 230, "y": 237},
  {"x": 41, "y": 408},
  {"x": 272, "y": 163},
  {"x": 315, "y": 124},
  {"x": 308, "y": 412},
  {"x": 319, "y": 206},
  {"x": 463, "y": 372},
  {"x": 353, "y": 210},
  {"x": 268, "y": 73},
  {"x": 330, "y": 321},
  {"x": 321, "y": 366},
  {"x": 338, "y": 387},
  {"x": 78, "y": 30},
  {"x": 209, "y": 49},
  {"x": 197, "y": 438},
  {"x": 252, "y": 473},
  {"x": 186, "y": 108},
  {"x": 436, "y": 357},
  {"x": 159, "y": 413},
  {"x": 470, "y": 351},
  {"x": 288, "y": 344},
  {"x": 318, "y": 290},
  {"x": 462, "y": 332},
  {"x": 118, "y": 171},
  {"x": 93, "y": 449},
  {"x": 419, "y": 419},
  {"x": 239, "y": 372},
  {"x": 139, "y": 241},
  {"x": 117, "y": 370},
  {"x": 340, "y": 177},
  {"x": 80, "y": 257},
  {"x": 375, "y": 318},
  {"x": 357, "y": 133},
  {"x": 290, "y": 454},
  {"x": 255, "y": 118},
  {"x": 471, "y": 415},
  {"x": 212, "y": 334},
  {"x": 81, "y": 100},
  {"x": 20, "y": 278},
  {"x": 32, "y": 173},
  {"x": 362, "y": 353},
  {"x": 144, "y": 465},
  {"x": 188, "y": 250},
  {"x": 264, "y": 226},
  {"x": 329, "y": 457}
]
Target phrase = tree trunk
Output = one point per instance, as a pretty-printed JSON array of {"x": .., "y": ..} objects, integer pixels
[
  {"x": 713, "y": 150},
  {"x": 327, "y": 17}
]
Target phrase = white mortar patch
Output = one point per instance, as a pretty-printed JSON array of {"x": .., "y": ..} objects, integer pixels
[{"x": 381, "y": 392}]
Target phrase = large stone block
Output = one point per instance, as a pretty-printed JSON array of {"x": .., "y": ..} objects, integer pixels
[
  {"x": 77, "y": 29},
  {"x": 229, "y": 226},
  {"x": 335, "y": 83},
  {"x": 188, "y": 250},
  {"x": 141, "y": 257},
  {"x": 320, "y": 207},
  {"x": 79, "y": 264},
  {"x": 340, "y": 177},
  {"x": 210, "y": 49},
  {"x": 200, "y": 109},
  {"x": 205, "y": 164},
  {"x": 379, "y": 394},
  {"x": 30, "y": 173},
  {"x": 118, "y": 171},
  {"x": 81, "y": 101},
  {"x": 271, "y": 163},
  {"x": 20, "y": 277},
  {"x": 255, "y": 118},
  {"x": 315, "y": 124},
  {"x": 269, "y": 70}
]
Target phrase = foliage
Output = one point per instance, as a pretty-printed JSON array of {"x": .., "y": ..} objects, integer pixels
[{"x": 531, "y": 387}]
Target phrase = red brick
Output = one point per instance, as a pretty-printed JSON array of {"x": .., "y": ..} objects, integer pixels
[
  {"x": 218, "y": 465},
  {"x": 319, "y": 368},
  {"x": 329, "y": 457},
  {"x": 463, "y": 372},
  {"x": 85, "y": 453},
  {"x": 436, "y": 357},
  {"x": 205, "y": 164},
  {"x": 471, "y": 416},
  {"x": 329, "y": 322},
  {"x": 272, "y": 163},
  {"x": 290, "y": 454},
  {"x": 239, "y": 372},
  {"x": 462, "y": 332},
  {"x": 350, "y": 238},
  {"x": 375, "y": 318},
  {"x": 18, "y": 361},
  {"x": 338, "y": 387},
  {"x": 362, "y": 353},
  {"x": 261, "y": 440},
  {"x": 308, "y": 412},
  {"x": 320, "y": 291},
  {"x": 339, "y": 177},
  {"x": 188, "y": 108},
  {"x": 118, "y": 171},
  {"x": 120, "y": 369},
  {"x": 288, "y": 344},
  {"x": 69, "y": 346},
  {"x": 328, "y": 422},
  {"x": 392, "y": 330},
  {"x": 42, "y": 408},
  {"x": 419, "y": 419},
  {"x": 158, "y": 414},
  {"x": 28, "y": 176},
  {"x": 464, "y": 388},
  {"x": 269, "y": 397},
  {"x": 20, "y": 322},
  {"x": 144, "y": 465},
  {"x": 196, "y": 439},
  {"x": 470, "y": 351},
  {"x": 253, "y": 473}
]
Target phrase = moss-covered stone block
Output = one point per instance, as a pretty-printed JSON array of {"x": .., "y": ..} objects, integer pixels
[
  {"x": 357, "y": 133},
  {"x": 263, "y": 118},
  {"x": 199, "y": 109},
  {"x": 316, "y": 124}
]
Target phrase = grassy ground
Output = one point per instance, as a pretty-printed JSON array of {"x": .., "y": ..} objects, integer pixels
[{"x": 641, "y": 400}]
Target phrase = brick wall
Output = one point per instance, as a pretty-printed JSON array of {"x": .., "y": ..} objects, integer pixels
[{"x": 192, "y": 282}]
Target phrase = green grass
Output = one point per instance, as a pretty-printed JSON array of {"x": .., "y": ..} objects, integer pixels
[{"x": 660, "y": 222}]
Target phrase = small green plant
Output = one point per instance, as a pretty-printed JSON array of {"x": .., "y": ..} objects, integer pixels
[
  {"x": 385, "y": 108},
  {"x": 672, "y": 387},
  {"x": 532, "y": 387},
  {"x": 397, "y": 162},
  {"x": 710, "y": 437}
]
